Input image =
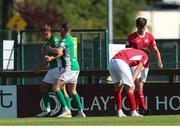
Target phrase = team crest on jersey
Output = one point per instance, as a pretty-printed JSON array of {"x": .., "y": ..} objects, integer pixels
[{"x": 146, "y": 40}]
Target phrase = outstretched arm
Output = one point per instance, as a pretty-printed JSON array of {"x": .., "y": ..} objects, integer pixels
[{"x": 157, "y": 54}]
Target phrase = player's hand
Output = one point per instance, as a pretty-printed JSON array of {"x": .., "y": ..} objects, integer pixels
[
  {"x": 160, "y": 65},
  {"x": 48, "y": 58}
]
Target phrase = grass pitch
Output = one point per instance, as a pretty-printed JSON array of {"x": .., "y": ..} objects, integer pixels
[{"x": 171, "y": 120}]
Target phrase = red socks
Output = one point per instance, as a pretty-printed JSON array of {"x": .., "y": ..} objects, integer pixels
[
  {"x": 132, "y": 102},
  {"x": 141, "y": 100},
  {"x": 137, "y": 99},
  {"x": 118, "y": 99}
]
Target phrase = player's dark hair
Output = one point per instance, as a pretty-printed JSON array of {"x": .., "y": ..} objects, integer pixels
[
  {"x": 46, "y": 28},
  {"x": 66, "y": 27},
  {"x": 141, "y": 22}
]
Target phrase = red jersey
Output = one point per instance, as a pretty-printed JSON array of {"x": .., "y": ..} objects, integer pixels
[
  {"x": 132, "y": 56},
  {"x": 138, "y": 42}
]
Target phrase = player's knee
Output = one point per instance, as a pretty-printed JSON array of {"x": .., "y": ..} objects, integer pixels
[
  {"x": 138, "y": 88},
  {"x": 55, "y": 88},
  {"x": 72, "y": 92},
  {"x": 129, "y": 89}
]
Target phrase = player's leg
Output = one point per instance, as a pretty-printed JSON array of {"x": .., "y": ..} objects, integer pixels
[
  {"x": 72, "y": 77},
  {"x": 44, "y": 89},
  {"x": 74, "y": 94},
  {"x": 68, "y": 101},
  {"x": 131, "y": 99},
  {"x": 67, "y": 97},
  {"x": 136, "y": 85},
  {"x": 129, "y": 87},
  {"x": 127, "y": 80},
  {"x": 118, "y": 99},
  {"x": 57, "y": 90},
  {"x": 140, "y": 95},
  {"x": 48, "y": 80},
  {"x": 139, "y": 91},
  {"x": 115, "y": 70},
  {"x": 61, "y": 85}
]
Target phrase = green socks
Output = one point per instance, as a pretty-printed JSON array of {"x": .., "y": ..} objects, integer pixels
[
  {"x": 60, "y": 97},
  {"x": 46, "y": 100},
  {"x": 68, "y": 102},
  {"x": 65, "y": 102},
  {"x": 77, "y": 101}
]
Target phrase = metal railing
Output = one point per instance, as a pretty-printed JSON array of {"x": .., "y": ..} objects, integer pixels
[{"x": 90, "y": 74}]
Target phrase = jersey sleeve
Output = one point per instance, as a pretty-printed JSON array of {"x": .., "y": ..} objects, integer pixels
[{"x": 152, "y": 42}]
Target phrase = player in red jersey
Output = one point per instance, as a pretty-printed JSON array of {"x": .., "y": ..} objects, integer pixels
[
  {"x": 139, "y": 40},
  {"x": 119, "y": 68}
]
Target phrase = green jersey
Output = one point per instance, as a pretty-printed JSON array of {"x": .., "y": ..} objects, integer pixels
[
  {"x": 69, "y": 60},
  {"x": 54, "y": 43}
]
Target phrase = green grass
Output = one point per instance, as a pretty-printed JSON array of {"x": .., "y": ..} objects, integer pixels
[{"x": 171, "y": 120}]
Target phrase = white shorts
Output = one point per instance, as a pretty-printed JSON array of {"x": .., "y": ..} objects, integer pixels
[
  {"x": 52, "y": 75},
  {"x": 143, "y": 74},
  {"x": 119, "y": 70},
  {"x": 69, "y": 76}
]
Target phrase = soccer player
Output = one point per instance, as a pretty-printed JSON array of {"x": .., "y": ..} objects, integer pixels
[
  {"x": 139, "y": 40},
  {"x": 119, "y": 68},
  {"x": 71, "y": 67},
  {"x": 53, "y": 71}
]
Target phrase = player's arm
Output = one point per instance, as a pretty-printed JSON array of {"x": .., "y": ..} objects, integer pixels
[
  {"x": 142, "y": 63},
  {"x": 53, "y": 50},
  {"x": 157, "y": 54},
  {"x": 137, "y": 71},
  {"x": 58, "y": 53}
]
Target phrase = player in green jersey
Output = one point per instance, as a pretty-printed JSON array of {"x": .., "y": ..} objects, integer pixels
[
  {"x": 55, "y": 67},
  {"x": 71, "y": 67}
]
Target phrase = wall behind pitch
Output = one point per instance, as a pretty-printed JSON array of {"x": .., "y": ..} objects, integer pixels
[
  {"x": 98, "y": 100},
  {"x": 8, "y": 101}
]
